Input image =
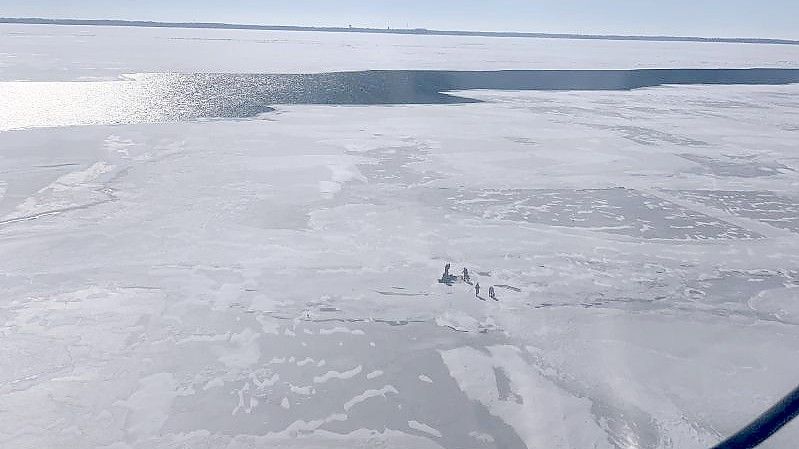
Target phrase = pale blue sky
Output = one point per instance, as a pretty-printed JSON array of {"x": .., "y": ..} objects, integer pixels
[{"x": 732, "y": 18}]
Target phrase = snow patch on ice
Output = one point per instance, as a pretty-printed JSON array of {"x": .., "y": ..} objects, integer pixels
[
  {"x": 369, "y": 394},
  {"x": 337, "y": 375},
  {"x": 340, "y": 174},
  {"x": 340, "y": 329},
  {"x": 245, "y": 352},
  {"x": 782, "y": 303},
  {"x": 76, "y": 189},
  {"x": 305, "y": 391},
  {"x": 421, "y": 427},
  {"x": 481, "y": 437},
  {"x": 458, "y": 320},
  {"x": 149, "y": 405},
  {"x": 374, "y": 374},
  {"x": 538, "y": 425}
]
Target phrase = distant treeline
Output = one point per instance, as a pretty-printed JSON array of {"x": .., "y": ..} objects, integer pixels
[{"x": 419, "y": 31}]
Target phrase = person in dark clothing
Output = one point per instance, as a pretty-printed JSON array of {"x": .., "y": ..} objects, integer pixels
[
  {"x": 491, "y": 293},
  {"x": 447, "y": 278},
  {"x": 477, "y": 289},
  {"x": 465, "y": 274}
]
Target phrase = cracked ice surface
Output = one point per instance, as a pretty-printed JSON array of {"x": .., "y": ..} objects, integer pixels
[{"x": 272, "y": 282}]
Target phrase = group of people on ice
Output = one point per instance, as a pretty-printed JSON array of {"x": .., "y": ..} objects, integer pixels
[{"x": 449, "y": 279}]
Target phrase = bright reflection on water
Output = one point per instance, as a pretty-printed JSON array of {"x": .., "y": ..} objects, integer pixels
[
  {"x": 148, "y": 98},
  {"x": 174, "y": 97}
]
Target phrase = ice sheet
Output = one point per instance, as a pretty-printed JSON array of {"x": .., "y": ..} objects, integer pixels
[{"x": 50, "y": 52}]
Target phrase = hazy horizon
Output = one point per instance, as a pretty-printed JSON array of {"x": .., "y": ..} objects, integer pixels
[
  {"x": 714, "y": 18},
  {"x": 432, "y": 31}
]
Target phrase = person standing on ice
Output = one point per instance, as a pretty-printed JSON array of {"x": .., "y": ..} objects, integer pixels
[
  {"x": 446, "y": 271},
  {"x": 465, "y": 274},
  {"x": 477, "y": 289},
  {"x": 491, "y": 293}
]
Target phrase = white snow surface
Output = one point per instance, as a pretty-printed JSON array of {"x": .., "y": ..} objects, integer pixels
[
  {"x": 272, "y": 282},
  {"x": 52, "y": 52}
]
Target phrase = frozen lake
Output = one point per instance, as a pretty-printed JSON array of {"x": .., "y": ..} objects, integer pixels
[{"x": 196, "y": 255}]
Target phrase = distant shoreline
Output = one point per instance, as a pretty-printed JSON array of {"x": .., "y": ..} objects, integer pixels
[{"x": 416, "y": 31}]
